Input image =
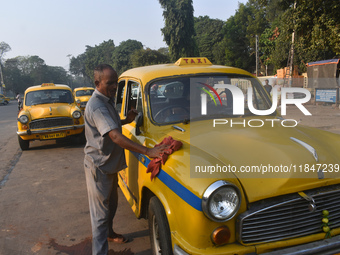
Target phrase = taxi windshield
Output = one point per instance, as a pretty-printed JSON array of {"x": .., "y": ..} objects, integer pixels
[
  {"x": 87, "y": 92},
  {"x": 184, "y": 99},
  {"x": 48, "y": 96}
]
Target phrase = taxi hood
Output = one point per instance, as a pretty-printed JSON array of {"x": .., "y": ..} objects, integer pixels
[
  {"x": 269, "y": 160},
  {"x": 83, "y": 98},
  {"x": 50, "y": 110}
]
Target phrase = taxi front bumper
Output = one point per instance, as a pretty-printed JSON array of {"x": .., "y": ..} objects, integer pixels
[
  {"x": 329, "y": 246},
  {"x": 322, "y": 247},
  {"x": 30, "y": 132}
]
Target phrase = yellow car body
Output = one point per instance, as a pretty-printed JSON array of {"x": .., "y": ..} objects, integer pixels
[
  {"x": 229, "y": 211},
  {"x": 82, "y": 96},
  {"x": 4, "y": 100},
  {"x": 49, "y": 112}
]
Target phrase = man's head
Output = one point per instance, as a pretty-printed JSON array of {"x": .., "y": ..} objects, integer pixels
[
  {"x": 266, "y": 81},
  {"x": 105, "y": 79}
]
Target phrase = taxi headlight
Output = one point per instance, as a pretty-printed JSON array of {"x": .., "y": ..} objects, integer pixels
[
  {"x": 23, "y": 119},
  {"x": 76, "y": 114},
  {"x": 78, "y": 101},
  {"x": 221, "y": 201}
]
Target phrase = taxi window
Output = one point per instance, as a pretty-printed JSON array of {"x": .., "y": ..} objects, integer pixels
[
  {"x": 120, "y": 95},
  {"x": 49, "y": 96},
  {"x": 170, "y": 100},
  {"x": 87, "y": 92},
  {"x": 133, "y": 97},
  {"x": 180, "y": 99}
]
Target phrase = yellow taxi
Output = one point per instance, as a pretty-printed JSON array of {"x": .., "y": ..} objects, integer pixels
[
  {"x": 49, "y": 112},
  {"x": 4, "y": 100},
  {"x": 82, "y": 96},
  {"x": 242, "y": 182}
]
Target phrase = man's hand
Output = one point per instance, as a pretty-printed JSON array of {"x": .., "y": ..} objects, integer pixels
[
  {"x": 131, "y": 115},
  {"x": 156, "y": 152}
]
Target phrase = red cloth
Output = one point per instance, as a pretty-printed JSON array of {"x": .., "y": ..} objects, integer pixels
[{"x": 155, "y": 164}]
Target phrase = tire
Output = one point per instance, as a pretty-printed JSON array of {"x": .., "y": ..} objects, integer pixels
[
  {"x": 6, "y": 102},
  {"x": 24, "y": 144},
  {"x": 159, "y": 228}
]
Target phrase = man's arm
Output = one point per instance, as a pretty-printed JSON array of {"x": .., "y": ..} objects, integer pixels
[{"x": 126, "y": 143}]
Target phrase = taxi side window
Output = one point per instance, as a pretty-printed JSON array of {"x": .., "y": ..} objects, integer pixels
[
  {"x": 120, "y": 96},
  {"x": 133, "y": 97}
]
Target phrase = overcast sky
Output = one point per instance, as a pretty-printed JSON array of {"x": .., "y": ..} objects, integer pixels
[{"x": 54, "y": 29}]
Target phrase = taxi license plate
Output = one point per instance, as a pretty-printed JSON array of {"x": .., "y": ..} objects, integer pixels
[{"x": 53, "y": 136}]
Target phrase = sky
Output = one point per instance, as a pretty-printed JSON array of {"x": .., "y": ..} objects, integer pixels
[{"x": 55, "y": 30}]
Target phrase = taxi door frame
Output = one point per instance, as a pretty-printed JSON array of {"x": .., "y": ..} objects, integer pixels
[{"x": 129, "y": 177}]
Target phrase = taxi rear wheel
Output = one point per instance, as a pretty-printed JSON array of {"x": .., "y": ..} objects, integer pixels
[
  {"x": 24, "y": 144},
  {"x": 159, "y": 228}
]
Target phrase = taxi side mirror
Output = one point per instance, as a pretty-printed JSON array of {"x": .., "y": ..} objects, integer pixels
[{"x": 139, "y": 122}]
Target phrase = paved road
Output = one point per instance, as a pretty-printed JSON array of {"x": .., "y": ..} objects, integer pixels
[
  {"x": 43, "y": 197},
  {"x": 44, "y": 208}
]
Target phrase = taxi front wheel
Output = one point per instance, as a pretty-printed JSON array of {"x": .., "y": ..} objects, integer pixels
[
  {"x": 24, "y": 144},
  {"x": 159, "y": 228}
]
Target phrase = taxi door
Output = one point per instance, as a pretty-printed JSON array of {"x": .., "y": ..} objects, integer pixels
[{"x": 129, "y": 96}]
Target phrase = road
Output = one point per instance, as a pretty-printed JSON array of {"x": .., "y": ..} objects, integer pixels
[
  {"x": 43, "y": 197},
  {"x": 44, "y": 208}
]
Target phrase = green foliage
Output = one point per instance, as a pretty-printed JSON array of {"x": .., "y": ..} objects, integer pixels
[
  {"x": 84, "y": 64},
  {"x": 77, "y": 65},
  {"x": 316, "y": 26},
  {"x": 179, "y": 31},
  {"x": 208, "y": 35},
  {"x": 148, "y": 57},
  {"x": 240, "y": 31},
  {"x": 23, "y": 72},
  {"x": 121, "y": 57}
]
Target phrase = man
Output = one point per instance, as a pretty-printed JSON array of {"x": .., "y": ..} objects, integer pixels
[
  {"x": 267, "y": 87},
  {"x": 18, "y": 97},
  {"x": 104, "y": 156}
]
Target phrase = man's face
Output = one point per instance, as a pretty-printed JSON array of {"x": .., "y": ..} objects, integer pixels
[{"x": 108, "y": 83}]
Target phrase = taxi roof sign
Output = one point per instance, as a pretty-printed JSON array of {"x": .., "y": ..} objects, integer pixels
[
  {"x": 47, "y": 84},
  {"x": 193, "y": 61}
]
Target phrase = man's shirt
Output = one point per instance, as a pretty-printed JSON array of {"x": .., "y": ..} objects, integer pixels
[{"x": 100, "y": 118}]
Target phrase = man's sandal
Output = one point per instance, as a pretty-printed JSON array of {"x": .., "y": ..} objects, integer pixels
[{"x": 117, "y": 238}]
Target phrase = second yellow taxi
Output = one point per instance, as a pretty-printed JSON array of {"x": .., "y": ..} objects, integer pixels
[
  {"x": 49, "y": 112},
  {"x": 82, "y": 96}
]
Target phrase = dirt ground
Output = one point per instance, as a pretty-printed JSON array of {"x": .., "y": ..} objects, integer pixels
[{"x": 326, "y": 117}]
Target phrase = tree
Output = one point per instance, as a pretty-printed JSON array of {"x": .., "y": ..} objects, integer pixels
[
  {"x": 148, "y": 57},
  {"x": 121, "y": 57},
  {"x": 77, "y": 65},
  {"x": 98, "y": 55},
  {"x": 179, "y": 31},
  {"x": 4, "y": 47},
  {"x": 23, "y": 72},
  {"x": 208, "y": 35},
  {"x": 317, "y": 30},
  {"x": 15, "y": 79},
  {"x": 239, "y": 52},
  {"x": 316, "y": 26}
]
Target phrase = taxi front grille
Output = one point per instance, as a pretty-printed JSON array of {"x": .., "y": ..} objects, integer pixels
[
  {"x": 51, "y": 123},
  {"x": 288, "y": 219},
  {"x": 83, "y": 104}
]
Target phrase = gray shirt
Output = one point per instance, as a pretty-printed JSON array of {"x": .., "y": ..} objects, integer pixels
[{"x": 100, "y": 151}]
